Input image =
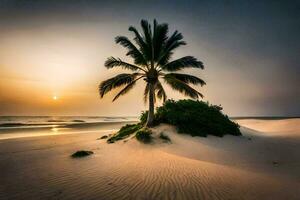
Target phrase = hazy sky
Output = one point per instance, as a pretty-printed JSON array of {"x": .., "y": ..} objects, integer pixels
[{"x": 251, "y": 51}]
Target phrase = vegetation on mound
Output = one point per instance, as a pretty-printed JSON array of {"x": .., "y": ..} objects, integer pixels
[
  {"x": 196, "y": 118},
  {"x": 164, "y": 137},
  {"x": 124, "y": 132},
  {"x": 144, "y": 135},
  {"x": 82, "y": 153}
]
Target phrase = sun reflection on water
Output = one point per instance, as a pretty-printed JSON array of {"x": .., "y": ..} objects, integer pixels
[{"x": 54, "y": 129}]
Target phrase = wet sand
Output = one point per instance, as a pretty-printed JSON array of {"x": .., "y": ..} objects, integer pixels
[{"x": 262, "y": 164}]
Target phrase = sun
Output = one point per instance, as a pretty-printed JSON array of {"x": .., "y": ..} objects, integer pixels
[{"x": 54, "y": 98}]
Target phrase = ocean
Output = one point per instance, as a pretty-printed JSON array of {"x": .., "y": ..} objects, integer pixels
[{"x": 27, "y": 126}]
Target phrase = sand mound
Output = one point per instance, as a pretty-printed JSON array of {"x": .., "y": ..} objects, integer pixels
[{"x": 273, "y": 127}]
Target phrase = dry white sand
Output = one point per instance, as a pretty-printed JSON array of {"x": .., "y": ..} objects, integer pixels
[{"x": 267, "y": 166}]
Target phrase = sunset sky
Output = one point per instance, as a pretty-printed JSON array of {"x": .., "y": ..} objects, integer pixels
[{"x": 52, "y": 54}]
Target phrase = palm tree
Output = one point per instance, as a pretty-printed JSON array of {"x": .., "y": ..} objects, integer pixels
[{"x": 151, "y": 54}]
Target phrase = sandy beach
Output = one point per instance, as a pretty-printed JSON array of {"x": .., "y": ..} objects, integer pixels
[
  {"x": 149, "y": 100},
  {"x": 264, "y": 163}
]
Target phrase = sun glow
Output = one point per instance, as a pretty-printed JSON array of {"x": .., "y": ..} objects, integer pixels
[{"x": 55, "y": 98}]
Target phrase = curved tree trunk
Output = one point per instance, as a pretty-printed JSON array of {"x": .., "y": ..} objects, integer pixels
[{"x": 151, "y": 106}]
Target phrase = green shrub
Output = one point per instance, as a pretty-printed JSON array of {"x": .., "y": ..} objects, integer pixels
[
  {"x": 196, "y": 118},
  {"x": 124, "y": 132},
  {"x": 144, "y": 135},
  {"x": 164, "y": 137},
  {"x": 143, "y": 117}
]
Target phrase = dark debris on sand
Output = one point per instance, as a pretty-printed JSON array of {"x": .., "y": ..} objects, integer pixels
[
  {"x": 82, "y": 153},
  {"x": 103, "y": 137}
]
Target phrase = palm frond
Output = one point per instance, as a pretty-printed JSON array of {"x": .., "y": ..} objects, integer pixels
[
  {"x": 147, "y": 31},
  {"x": 138, "y": 38},
  {"x": 173, "y": 42},
  {"x": 127, "y": 88},
  {"x": 117, "y": 81},
  {"x": 160, "y": 32},
  {"x": 175, "y": 37},
  {"x": 140, "y": 41},
  {"x": 147, "y": 36},
  {"x": 112, "y": 62},
  {"x": 181, "y": 63},
  {"x": 186, "y": 78},
  {"x": 132, "y": 50},
  {"x": 182, "y": 87}
]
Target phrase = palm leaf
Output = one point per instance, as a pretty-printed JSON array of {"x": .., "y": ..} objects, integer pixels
[
  {"x": 160, "y": 32},
  {"x": 186, "y": 78},
  {"x": 127, "y": 88},
  {"x": 147, "y": 31},
  {"x": 181, "y": 63},
  {"x": 132, "y": 50},
  {"x": 112, "y": 62},
  {"x": 148, "y": 51},
  {"x": 140, "y": 42},
  {"x": 173, "y": 42},
  {"x": 117, "y": 81},
  {"x": 182, "y": 87}
]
